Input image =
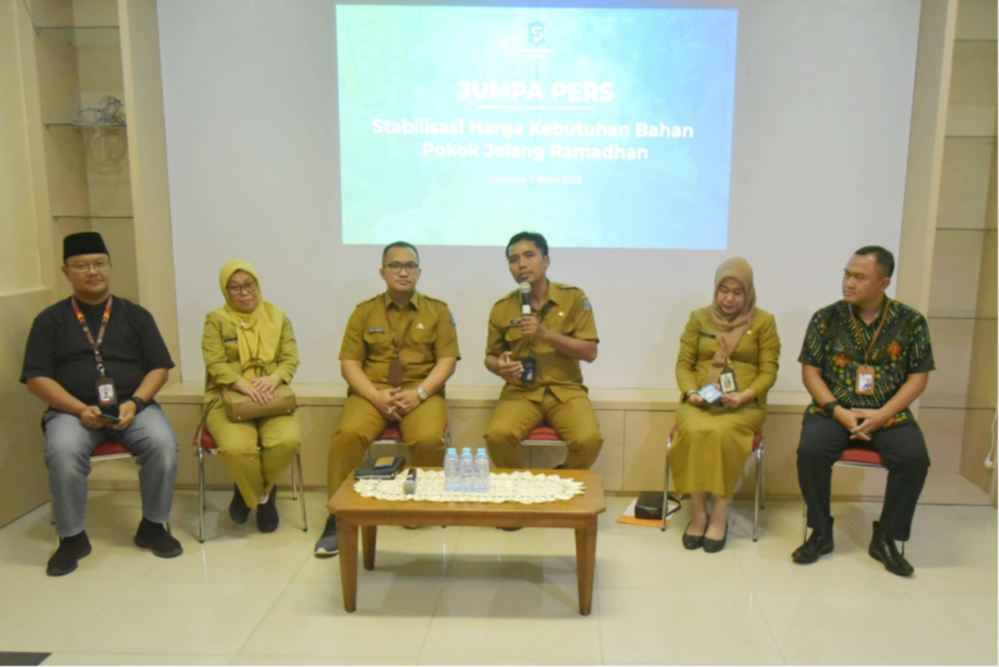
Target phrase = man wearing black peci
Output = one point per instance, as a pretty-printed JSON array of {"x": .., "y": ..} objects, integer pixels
[{"x": 97, "y": 361}]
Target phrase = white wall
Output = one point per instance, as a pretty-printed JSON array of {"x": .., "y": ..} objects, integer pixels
[{"x": 823, "y": 100}]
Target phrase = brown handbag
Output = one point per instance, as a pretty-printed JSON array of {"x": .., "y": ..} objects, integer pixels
[{"x": 240, "y": 408}]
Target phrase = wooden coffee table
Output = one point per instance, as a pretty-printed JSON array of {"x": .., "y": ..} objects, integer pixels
[{"x": 580, "y": 513}]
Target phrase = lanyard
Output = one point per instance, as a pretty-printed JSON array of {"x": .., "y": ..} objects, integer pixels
[
  {"x": 856, "y": 325},
  {"x": 397, "y": 341},
  {"x": 100, "y": 334}
]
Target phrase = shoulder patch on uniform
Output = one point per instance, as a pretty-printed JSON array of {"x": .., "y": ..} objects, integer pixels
[{"x": 586, "y": 305}]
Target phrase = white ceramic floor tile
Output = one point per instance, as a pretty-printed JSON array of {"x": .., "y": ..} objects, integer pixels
[
  {"x": 134, "y": 659},
  {"x": 967, "y": 627},
  {"x": 505, "y": 620},
  {"x": 192, "y": 617},
  {"x": 39, "y": 613},
  {"x": 829, "y": 629},
  {"x": 311, "y": 660},
  {"x": 684, "y": 627},
  {"x": 391, "y": 621}
]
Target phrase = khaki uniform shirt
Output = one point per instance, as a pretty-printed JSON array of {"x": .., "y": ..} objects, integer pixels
[
  {"x": 220, "y": 348},
  {"x": 368, "y": 338},
  {"x": 567, "y": 312}
]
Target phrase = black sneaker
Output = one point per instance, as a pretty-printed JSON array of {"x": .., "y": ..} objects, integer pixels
[
  {"x": 238, "y": 511},
  {"x": 267, "y": 514},
  {"x": 329, "y": 544},
  {"x": 71, "y": 550},
  {"x": 154, "y": 536},
  {"x": 884, "y": 551}
]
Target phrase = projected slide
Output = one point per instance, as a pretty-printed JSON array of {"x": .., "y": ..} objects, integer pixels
[{"x": 601, "y": 128}]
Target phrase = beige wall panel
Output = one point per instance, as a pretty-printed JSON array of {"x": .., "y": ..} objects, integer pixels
[
  {"x": 972, "y": 100},
  {"x": 19, "y": 270},
  {"x": 944, "y": 433},
  {"x": 957, "y": 258},
  {"x": 976, "y": 19},
  {"x": 23, "y": 479},
  {"x": 58, "y": 80},
  {"x": 982, "y": 384},
  {"x": 468, "y": 425},
  {"x": 964, "y": 186},
  {"x": 952, "y": 342},
  {"x": 51, "y": 12},
  {"x": 987, "y": 294},
  {"x": 979, "y": 431},
  {"x": 95, "y": 12}
]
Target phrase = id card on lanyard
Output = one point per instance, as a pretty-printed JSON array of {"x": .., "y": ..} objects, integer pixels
[
  {"x": 866, "y": 375},
  {"x": 107, "y": 395}
]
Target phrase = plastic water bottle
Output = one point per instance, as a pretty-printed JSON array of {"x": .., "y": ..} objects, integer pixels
[
  {"x": 482, "y": 471},
  {"x": 467, "y": 470},
  {"x": 452, "y": 471}
]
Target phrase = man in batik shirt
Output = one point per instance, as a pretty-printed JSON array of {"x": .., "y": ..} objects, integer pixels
[{"x": 864, "y": 361}]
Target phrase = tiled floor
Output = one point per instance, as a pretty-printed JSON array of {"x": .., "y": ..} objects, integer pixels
[{"x": 476, "y": 595}]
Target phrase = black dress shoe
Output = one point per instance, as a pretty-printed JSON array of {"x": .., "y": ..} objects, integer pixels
[
  {"x": 238, "y": 511},
  {"x": 819, "y": 543},
  {"x": 883, "y": 550},
  {"x": 714, "y": 546},
  {"x": 691, "y": 542},
  {"x": 156, "y": 538},
  {"x": 71, "y": 550},
  {"x": 267, "y": 514}
]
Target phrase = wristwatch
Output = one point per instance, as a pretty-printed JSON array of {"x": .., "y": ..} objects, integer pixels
[
  {"x": 422, "y": 393},
  {"x": 830, "y": 407},
  {"x": 140, "y": 404}
]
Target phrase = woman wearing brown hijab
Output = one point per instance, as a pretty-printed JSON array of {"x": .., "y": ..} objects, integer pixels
[{"x": 713, "y": 440}]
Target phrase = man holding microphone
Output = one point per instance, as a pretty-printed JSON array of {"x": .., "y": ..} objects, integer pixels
[{"x": 537, "y": 335}]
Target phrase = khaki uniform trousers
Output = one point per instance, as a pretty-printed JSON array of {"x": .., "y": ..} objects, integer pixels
[
  {"x": 255, "y": 470},
  {"x": 422, "y": 431},
  {"x": 515, "y": 416}
]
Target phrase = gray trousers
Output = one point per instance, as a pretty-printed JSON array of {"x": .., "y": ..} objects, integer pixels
[{"x": 68, "y": 445}]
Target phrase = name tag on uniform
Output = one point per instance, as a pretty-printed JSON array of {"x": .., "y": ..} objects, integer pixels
[
  {"x": 708, "y": 335},
  {"x": 107, "y": 396},
  {"x": 230, "y": 340},
  {"x": 515, "y": 323},
  {"x": 376, "y": 329}
]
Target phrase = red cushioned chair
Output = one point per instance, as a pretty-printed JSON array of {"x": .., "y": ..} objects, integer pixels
[
  {"x": 758, "y": 450},
  {"x": 852, "y": 457},
  {"x": 204, "y": 443},
  {"x": 108, "y": 450}
]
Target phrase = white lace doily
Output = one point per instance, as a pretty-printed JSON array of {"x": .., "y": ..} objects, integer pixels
[{"x": 517, "y": 487}]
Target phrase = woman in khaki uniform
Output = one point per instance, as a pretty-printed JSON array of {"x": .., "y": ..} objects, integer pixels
[
  {"x": 713, "y": 440},
  {"x": 240, "y": 337}
]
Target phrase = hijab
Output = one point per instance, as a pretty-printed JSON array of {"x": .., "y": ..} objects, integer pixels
[
  {"x": 731, "y": 328},
  {"x": 259, "y": 332}
]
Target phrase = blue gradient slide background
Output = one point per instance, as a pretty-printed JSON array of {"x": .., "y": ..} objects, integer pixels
[{"x": 672, "y": 66}]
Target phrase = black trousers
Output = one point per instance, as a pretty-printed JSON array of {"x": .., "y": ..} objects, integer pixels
[{"x": 903, "y": 450}]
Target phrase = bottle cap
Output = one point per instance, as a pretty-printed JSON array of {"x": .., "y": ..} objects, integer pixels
[
  {"x": 466, "y": 449},
  {"x": 452, "y": 450}
]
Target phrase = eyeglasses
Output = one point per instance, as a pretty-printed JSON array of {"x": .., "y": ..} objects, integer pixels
[
  {"x": 100, "y": 266},
  {"x": 249, "y": 288},
  {"x": 396, "y": 267}
]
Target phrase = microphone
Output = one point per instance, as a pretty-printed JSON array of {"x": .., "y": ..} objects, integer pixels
[
  {"x": 525, "y": 298},
  {"x": 409, "y": 486}
]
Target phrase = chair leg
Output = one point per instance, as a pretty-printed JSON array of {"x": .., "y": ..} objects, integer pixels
[
  {"x": 294, "y": 481},
  {"x": 201, "y": 495},
  {"x": 763, "y": 479},
  {"x": 759, "y": 494},
  {"x": 51, "y": 511},
  {"x": 301, "y": 489},
  {"x": 804, "y": 523},
  {"x": 669, "y": 444}
]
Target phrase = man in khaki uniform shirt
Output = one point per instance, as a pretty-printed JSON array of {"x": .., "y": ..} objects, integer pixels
[
  {"x": 399, "y": 333},
  {"x": 559, "y": 332}
]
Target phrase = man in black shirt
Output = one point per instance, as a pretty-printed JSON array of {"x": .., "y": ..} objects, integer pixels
[{"x": 97, "y": 361}]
